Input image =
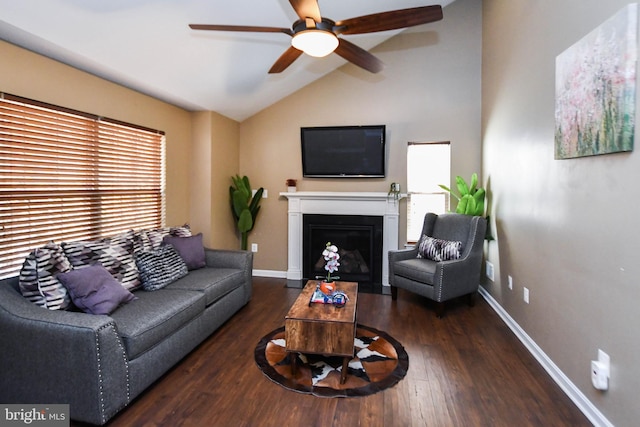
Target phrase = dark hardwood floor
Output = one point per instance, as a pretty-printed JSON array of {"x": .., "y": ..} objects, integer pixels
[{"x": 466, "y": 369}]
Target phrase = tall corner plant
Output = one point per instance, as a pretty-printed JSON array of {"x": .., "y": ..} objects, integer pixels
[
  {"x": 470, "y": 197},
  {"x": 244, "y": 207}
]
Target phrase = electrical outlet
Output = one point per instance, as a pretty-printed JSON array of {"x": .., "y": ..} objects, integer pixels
[
  {"x": 601, "y": 371},
  {"x": 489, "y": 270},
  {"x": 526, "y": 295},
  {"x": 510, "y": 282},
  {"x": 265, "y": 193},
  {"x": 254, "y": 247}
]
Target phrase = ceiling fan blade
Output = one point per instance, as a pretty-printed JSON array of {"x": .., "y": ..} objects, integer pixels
[
  {"x": 285, "y": 60},
  {"x": 392, "y": 20},
  {"x": 358, "y": 56},
  {"x": 307, "y": 9},
  {"x": 244, "y": 28}
]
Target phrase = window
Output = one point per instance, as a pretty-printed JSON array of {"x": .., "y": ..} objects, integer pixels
[
  {"x": 67, "y": 175},
  {"x": 428, "y": 164}
]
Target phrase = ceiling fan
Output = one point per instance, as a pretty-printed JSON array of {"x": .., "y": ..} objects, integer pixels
[{"x": 318, "y": 36}]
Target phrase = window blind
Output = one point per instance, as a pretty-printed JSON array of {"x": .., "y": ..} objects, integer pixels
[{"x": 67, "y": 175}]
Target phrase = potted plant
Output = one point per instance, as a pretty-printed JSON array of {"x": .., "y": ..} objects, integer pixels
[
  {"x": 331, "y": 256},
  {"x": 470, "y": 197},
  {"x": 244, "y": 206}
]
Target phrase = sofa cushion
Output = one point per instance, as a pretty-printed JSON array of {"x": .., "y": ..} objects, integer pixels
[
  {"x": 38, "y": 278},
  {"x": 94, "y": 290},
  {"x": 214, "y": 282},
  {"x": 439, "y": 249},
  {"x": 160, "y": 267},
  {"x": 153, "y": 316},
  {"x": 419, "y": 269},
  {"x": 113, "y": 253},
  {"x": 190, "y": 248}
]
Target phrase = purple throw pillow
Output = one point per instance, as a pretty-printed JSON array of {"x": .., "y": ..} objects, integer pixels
[
  {"x": 190, "y": 249},
  {"x": 94, "y": 290}
]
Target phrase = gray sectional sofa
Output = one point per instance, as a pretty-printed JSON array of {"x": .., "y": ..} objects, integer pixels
[{"x": 99, "y": 363}]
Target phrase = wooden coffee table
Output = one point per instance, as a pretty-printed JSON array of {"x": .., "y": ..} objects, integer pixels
[{"x": 322, "y": 328}]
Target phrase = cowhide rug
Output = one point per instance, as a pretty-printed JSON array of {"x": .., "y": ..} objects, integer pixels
[{"x": 379, "y": 363}]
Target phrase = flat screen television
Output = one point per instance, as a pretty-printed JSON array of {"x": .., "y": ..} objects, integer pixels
[{"x": 343, "y": 151}]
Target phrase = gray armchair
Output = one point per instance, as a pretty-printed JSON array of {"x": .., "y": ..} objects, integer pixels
[{"x": 442, "y": 280}]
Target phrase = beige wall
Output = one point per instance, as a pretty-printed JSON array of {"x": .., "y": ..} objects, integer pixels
[
  {"x": 565, "y": 228},
  {"x": 215, "y": 160},
  {"x": 33, "y": 76},
  {"x": 429, "y": 91}
]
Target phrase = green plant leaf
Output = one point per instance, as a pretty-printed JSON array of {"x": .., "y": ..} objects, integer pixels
[
  {"x": 245, "y": 222},
  {"x": 479, "y": 197},
  {"x": 444, "y": 187},
  {"x": 462, "y": 186},
  {"x": 462, "y": 204},
  {"x": 474, "y": 183},
  {"x": 470, "y": 209},
  {"x": 255, "y": 200},
  {"x": 239, "y": 202},
  {"x": 254, "y": 215}
]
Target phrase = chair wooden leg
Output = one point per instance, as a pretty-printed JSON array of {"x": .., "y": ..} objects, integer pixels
[
  {"x": 471, "y": 299},
  {"x": 440, "y": 310},
  {"x": 394, "y": 293}
]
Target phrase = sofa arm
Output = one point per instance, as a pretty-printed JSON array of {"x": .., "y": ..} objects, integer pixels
[
  {"x": 241, "y": 260},
  {"x": 61, "y": 357}
]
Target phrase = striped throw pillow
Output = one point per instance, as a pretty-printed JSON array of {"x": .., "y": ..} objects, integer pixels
[
  {"x": 439, "y": 249},
  {"x": 38, "y": 282},
  {"x": 160, "y": 267},
  {"x": 114, "y": 253}
]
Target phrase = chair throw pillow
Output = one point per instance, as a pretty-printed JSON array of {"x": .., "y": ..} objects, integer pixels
[
  {"x": 38, "y": 282},
  {"x": 160, "y": 267},
  {"x": 439, "y": 249},
  {"x": 94, "y": 290},
  {"x": 191, "y": 249}
]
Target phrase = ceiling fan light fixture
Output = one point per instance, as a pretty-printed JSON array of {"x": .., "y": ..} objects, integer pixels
[{"x": 315, "y": 42}]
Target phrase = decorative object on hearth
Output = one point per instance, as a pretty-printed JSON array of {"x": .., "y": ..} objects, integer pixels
[
  {"x": 244, "y": 206},
  {"x": 380, "y": 362},
  {"x": 291, "y": 185},
  {"x": 394, "y": 191},
  {"x": 318, "y": 36}
]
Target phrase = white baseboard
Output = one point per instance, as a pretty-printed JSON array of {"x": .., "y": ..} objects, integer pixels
[
  {"x": 270, "y": 273},
  {"x": 578, "y": 398}
]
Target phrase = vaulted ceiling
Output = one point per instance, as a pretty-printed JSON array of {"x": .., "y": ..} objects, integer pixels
[{"x": 147, "y": 45}]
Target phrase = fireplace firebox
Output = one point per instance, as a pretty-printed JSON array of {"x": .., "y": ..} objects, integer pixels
[{"x": 359, "y": 240}]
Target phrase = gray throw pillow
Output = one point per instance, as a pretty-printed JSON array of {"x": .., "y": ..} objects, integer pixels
[
  {"x": 160, "y": 267},
  {"x": 94, "y": 290},
  {"x": 191, "y": 249}
]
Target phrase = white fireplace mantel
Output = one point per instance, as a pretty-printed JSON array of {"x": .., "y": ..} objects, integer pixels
[{"x": 340, "y": 203}]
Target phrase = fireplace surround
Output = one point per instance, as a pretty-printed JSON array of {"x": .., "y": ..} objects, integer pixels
[{"x": 338, "y": 203}]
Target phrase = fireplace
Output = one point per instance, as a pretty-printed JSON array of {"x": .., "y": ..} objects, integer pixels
[
  {"x": 338, "y": 203},
  {"x": 359, "y": 241}
]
